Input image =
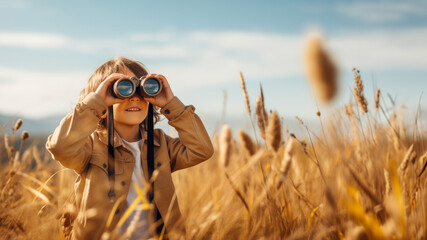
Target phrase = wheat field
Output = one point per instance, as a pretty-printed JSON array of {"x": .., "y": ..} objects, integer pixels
[{"x": 361, "y": 177}]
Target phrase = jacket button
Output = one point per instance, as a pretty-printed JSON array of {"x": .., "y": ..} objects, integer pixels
[
  {"x": 104, "y": 165},
  {"x": 123, "y": 183},
  {"x": 117, "y": 211},
  {"x": 127, "y": 159},
  {"x": 167, "y": 111},
  {"x": 159, "y": 164}
]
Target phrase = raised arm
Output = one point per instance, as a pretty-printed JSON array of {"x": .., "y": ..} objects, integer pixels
[
  {"x": 70, "y": 144},
  {"x": 193, "y": 145}
]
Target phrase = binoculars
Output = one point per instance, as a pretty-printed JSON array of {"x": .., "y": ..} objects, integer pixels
[{"x": 127, "y": 87}]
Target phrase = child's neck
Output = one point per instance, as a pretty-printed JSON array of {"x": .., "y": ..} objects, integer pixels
[{"x": 130, "y": 133}]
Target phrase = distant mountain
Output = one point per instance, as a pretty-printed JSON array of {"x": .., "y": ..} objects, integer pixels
[{"x": 40, "y": 127}]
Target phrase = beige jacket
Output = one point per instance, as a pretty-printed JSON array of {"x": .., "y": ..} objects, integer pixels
[{"x": 81, "y": 144}]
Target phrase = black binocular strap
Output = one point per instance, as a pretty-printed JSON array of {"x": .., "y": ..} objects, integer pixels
[
  {"x": 150, "y": 164},
  {"x": 150, "y": 147},
  {"x": 150, "y": 159},
  {"x": 111, "y": 167}
]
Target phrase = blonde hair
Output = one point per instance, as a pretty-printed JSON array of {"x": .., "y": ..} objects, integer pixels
[{"x": 115, "y": 65}]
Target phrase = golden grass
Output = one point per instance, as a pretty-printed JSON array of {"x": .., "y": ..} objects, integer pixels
[
  {"x": 320, "y": 69},
  {"x": 363, "y": 178},
  {"x": 245, "y": 93}
]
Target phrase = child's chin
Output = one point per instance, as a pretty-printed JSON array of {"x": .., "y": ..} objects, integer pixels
[
  {"x": 137, "y": 122},
  {"x": 134, "y": 121}
]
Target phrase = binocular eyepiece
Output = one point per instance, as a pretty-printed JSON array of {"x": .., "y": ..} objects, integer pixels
[{"x": 127, "y": 87}]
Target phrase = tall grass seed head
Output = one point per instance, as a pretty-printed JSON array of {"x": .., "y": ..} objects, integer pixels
[
  {"x": 246, "y": 142},
  {"x": 225, "y": 145},
  {"x": 18, "y": 125},
  {"x": 24, "y": 135},
  {"x": 320, "y": 69},
  {"x": 261, "y": 120},
  {"x": 274, "y": 131}
]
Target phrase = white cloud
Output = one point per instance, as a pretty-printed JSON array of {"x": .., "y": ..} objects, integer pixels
[
  {"x": 382, "y": 11},
  {"x": 382, "y": 49},
  {"x": 216, "y": 57},
  {"x": 32, "y": 40},
  {"x": 203, "y": 58},
  {"x": 257, "y": 54},
  {"x": 34, "y": 93}
]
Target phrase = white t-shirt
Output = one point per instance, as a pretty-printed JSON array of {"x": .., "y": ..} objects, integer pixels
[{"x": 138, "y": 216}]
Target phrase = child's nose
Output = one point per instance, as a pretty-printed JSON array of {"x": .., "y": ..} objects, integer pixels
[{"x": 134, "y": 99}]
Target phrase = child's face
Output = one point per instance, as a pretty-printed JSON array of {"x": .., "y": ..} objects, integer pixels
[{"x": 132, "y": 111}]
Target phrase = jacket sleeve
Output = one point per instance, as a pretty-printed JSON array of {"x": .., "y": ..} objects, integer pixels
[
  {"x": 193, "y": 145},
  {"x": 71, "y": 144}
]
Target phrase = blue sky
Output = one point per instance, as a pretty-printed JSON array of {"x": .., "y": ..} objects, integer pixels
[{"x": 48, "y": 50}]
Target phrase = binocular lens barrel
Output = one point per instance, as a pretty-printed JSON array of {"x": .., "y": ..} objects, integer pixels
[
  {"x": 126, "y": 88},
  {"x": 151, "y": 87},
  {"x": 123, "y": 88}
]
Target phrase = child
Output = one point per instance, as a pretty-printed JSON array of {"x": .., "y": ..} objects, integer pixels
[{"x": 80, "y": 142}]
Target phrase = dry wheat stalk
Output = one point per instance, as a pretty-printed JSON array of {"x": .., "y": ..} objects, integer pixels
[
  {"x": 330, "y": 199},
  {"x": 287, "y": 157},
  {"x": 26, "y": 158},
  {"x": 274, "y": 131},
  {"x": 264, "y": 112},
  {"x": 410, "y": 156},
  {"x": 394, "y": 132},
  {"x": 245, "y": 93},
  {"x": 387, "y": 182},
  {"x": 364, "y": 187},
  {"x": 358, "y": 91},
  {"x": 225, "y": 145},
  {"x": 6, "y": 141},
  {"x": 320, "y": 69},
  {"x": 350, "y": 113},
  {"x": 10, "y": 149},
  {"x": 18, "y": 125},
  {"x": 24, "y": 135},
  {"x": 37, "y": 158},
  {"x": 377, "y": 100},
  {"x": 423, "y": 160},
  {"x": 238, "y": 193},
  {"x": 246, "y": 142},
  {"x": 15, "y": 162},
  {"x": 260, "y": 117}
]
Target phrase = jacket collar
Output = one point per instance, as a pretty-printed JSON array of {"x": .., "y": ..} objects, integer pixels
[{"x": 102, "y": 133}]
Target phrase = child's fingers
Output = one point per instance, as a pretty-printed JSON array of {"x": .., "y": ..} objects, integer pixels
[
  {"x": 113, "y": 77},
  {"x": 165, "y": 95},
  {"x": 159, "y": 76},
  {"x": 163, "y": 79},
  {"x": 103, "y": 88},
  {"x": 150, "y": 100},
  {"x": 117, "y": 100},
  {"x": 166, "y": 89}
]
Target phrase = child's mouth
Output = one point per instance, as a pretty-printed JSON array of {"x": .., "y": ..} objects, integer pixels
[{"x": 133, "y": 109}]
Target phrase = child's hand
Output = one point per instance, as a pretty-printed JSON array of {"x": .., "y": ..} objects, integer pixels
[
  {"x": 104, "y": 89},
  {"x": 164, "y": 96}
]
